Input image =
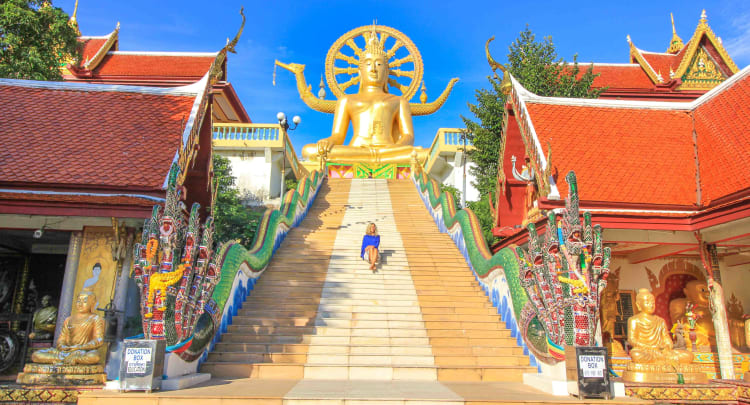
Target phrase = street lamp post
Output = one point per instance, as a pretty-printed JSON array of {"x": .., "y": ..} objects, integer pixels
[
  {"x": 284, "y": 128},
  {"x": 463, "y": 164}
]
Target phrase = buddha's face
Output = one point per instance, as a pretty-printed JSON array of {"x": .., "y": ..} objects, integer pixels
[
  {"x": 373, "y": 71},
  {"x": 646, "y": 303},
  {"x": 85, "y": 303},
  {"x": 697, "y": 293},
  {"x": 46, "y": 300}
]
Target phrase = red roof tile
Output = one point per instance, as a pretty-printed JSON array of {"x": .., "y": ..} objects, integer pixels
[
  {"x": 620, "y": 154},
  {"x": 61, "y": 134},
  {"x": 662, "y": 63},
  {"x": 90, "y": 47},
  {"x": 79, "y": 199},
  {"x": 163, "y": 65},
  {"x": 722, "y": 126},
  {"x": 621, "y": 77}
]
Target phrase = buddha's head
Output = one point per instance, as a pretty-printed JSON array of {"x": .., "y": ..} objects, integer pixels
[
  {"x": 697, "y": 292},
  {"x": 46, "y": 301},
  {"x": 373, "y": 65},
  {"x": 85, "y": 302},
  {"x": 645, "y": 301}
]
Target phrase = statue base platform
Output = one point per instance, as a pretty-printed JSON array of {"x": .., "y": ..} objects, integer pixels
[
  {"x": 664, "y": 373},
  {"x": 715, "y": 392},
  {"x": 338, "y": 170},
  {"x": 24, "y": 394},
  {"x": 60, "y": 374}
]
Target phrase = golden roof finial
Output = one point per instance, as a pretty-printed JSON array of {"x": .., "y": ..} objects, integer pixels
[
  {"x": 703, "y": 16},
  {"x": 675, "y": 45},
  {"x": 75, "y": 13}
]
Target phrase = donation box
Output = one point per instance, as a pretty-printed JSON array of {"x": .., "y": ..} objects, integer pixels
[
  {"x": 591, "y": 371},
  {"x": 142, "y": 364}
]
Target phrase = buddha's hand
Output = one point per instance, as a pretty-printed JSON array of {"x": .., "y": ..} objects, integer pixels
[{"x": 324, "y": 146}]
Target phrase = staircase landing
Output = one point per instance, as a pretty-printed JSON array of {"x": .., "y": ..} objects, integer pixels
[{"x": 247, "y": 391}]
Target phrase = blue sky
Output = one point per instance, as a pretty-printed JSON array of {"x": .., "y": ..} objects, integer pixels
[{"x": 450, "y": 36}]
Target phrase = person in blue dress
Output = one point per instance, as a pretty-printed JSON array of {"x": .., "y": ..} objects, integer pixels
[{"x": 370, "y": 245}]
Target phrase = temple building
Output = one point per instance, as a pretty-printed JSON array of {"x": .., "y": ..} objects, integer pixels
[
  {"x": 84, "y": 162},
  {"x": 684, "y": 72},
  {"x": 666, "y": 178}
]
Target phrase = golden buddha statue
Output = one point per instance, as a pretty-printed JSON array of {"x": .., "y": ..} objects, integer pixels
[
  {"x": 44, "y": 321},
  {"x": 696, "y": 293},
  {"x": 381, "y": 121},
  {"x": 653, "y": 358},
  {"x": 76, "y": 358}
]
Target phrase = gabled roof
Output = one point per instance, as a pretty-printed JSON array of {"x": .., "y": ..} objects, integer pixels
[
  {"x": 70, "y": 136},
  {"x": 670, "y": 155},
  {"x": 94, "y": 49},
  {"x": 180, "y": 65},
  {"x": 701, "y": 64},
  {"x": 619, "y": 75}
]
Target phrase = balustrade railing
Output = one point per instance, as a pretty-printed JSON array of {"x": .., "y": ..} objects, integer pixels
[
  {"x": 446, "y": 140},
  {"x": 246, "y": 132}
]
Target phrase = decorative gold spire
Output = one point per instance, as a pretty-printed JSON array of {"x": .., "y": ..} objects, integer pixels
[
  {"x": 675, "y": 45},
  {"x": 374, "y": 46}
]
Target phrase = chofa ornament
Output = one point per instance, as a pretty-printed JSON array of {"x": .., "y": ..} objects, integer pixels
[
  {"x": 563, "y": 276},
  {"x": 174, "y": 268}
]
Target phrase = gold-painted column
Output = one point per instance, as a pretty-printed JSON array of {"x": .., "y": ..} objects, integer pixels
[{"x": 69, "y": 280}]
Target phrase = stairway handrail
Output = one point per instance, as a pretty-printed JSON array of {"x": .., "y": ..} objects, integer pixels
[
  {"x": 240, "y": 268},
  {"x": 498, "y": 274}
]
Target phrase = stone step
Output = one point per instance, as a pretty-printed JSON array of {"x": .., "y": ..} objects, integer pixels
[{"x": 365, "y": 372}]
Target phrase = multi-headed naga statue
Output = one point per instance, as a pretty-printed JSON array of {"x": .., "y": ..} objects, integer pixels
[
  {"x": 174, "y": 270},
  {"x": 564, "y": 276}
]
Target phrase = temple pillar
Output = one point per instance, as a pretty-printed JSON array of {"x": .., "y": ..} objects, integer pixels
[{"x": 69, "y": 281}]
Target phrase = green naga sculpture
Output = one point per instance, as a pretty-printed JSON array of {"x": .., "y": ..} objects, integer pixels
[{"x": 563, "y": 276}]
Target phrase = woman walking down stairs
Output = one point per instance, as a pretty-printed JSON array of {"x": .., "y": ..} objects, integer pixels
[{"x": 320, "y": 327}]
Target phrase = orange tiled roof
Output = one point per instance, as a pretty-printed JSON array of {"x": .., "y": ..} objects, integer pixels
[
  {"x": 662, "y": 63},
  {"x": 90, "y": 47},
  {"x": 722, "y": 126},
  {"x": 107, "y": 200},
  {"x": 89, "y": 135},
  {"x": 623, "y": 76},
  {"x": 159, "y": 65},
  {"x": 619, "y": 154},
  {"x": 644, "y": 152}
]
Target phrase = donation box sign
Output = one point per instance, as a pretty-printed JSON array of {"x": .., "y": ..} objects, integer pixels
[
  {"x": 142, "y": 365},
  {"x": 593, "y": 372}
]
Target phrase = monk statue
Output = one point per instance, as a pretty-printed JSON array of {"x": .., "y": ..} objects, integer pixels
[
  {"x": 76, "y": 359},
  {"x": 381, "y": 122},
  {"x": 653, "y": 357},
  {"x": 696, "y": 293},
  {"x": 649, "y": 336},
  {"x": 44, "y": 321},
  {"x": 80, "y": 338}
]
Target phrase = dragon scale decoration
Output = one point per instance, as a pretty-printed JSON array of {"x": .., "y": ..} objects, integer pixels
[
  {"x": 563, "y": 276},
  {"x": 175, "y": 293}
]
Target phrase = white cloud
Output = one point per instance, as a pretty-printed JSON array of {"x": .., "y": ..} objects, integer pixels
[{"x": 738, "y": 45}]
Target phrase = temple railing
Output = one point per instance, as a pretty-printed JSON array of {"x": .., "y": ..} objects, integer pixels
[
  {"x": 447, "y": 140},
  {"x": 256, "y": 137},
  {"x": 497, "y": 274}
]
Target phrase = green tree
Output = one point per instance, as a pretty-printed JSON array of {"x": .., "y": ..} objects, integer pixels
[
  {"x": 536, "y": 66},
  {"x": 456, "y": 193},
  {"x": 35, "y": 40},
  {"x": 232, "y": 219}
]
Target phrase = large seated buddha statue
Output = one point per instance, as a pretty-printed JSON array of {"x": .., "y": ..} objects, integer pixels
[
  {"x": 76, "y": 359},
  {"x": 696, "y": 294},
  {"x": 381, "y": 121},
  {"x": 653, "y": 357}
]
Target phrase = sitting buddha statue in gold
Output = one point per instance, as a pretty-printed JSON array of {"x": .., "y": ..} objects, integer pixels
[
  {"x": 381, "y": 122},
  {"x": 75, "y": 359},
  {"x": 696, "y": 294},
  {"x": 653, "y": 357}
]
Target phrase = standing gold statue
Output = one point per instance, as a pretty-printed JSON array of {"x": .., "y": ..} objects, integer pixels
[
  {"x": 381, "y": 121},
  {"x": 76, "y": 358},
  {"x": 653, "y": 358}
]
